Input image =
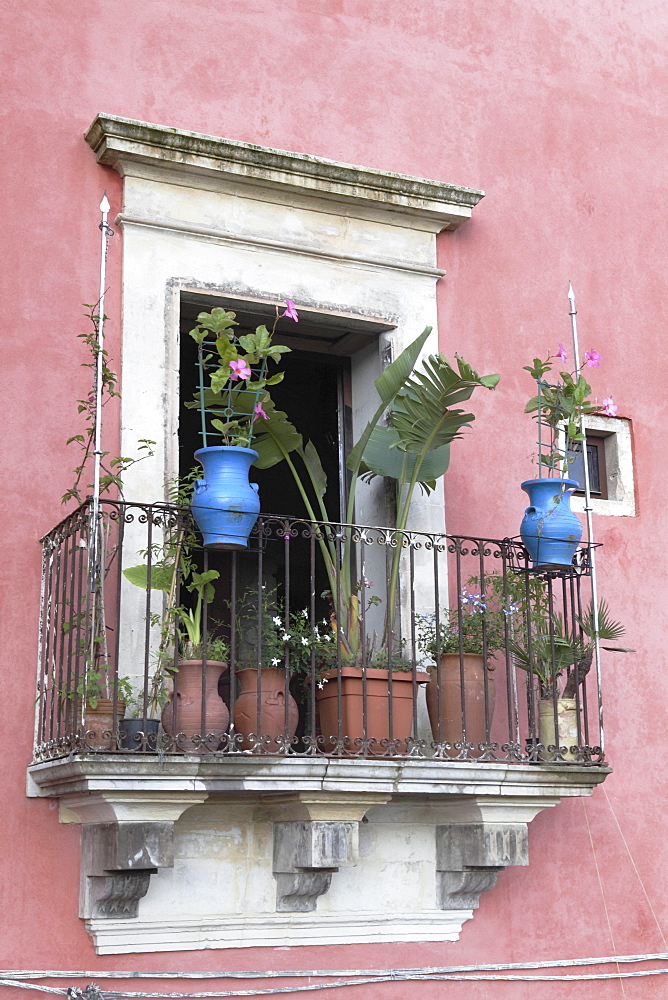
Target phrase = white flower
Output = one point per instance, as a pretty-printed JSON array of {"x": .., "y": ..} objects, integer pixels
[
  {"x": 304, "y": 641},
  {"x": 277, "y": 621},
  {"x": 275, "y": 662},
  {"x": 286, "y": 637}
]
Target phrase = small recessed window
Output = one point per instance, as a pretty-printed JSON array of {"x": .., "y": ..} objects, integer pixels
[
  {"x": 610, "y": 463},
  {"x": 598, "y": 481}
]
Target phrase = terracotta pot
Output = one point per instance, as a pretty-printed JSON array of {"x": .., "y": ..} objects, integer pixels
[
  {"x": 187, "y": 718},
  {"x": 99, "y": 722},
  {"x": 271, "y": 723},
  {"x": 377, "y": 707},
  {"x": 567, "y": 727},
  {"x": 448, "y": 677}
]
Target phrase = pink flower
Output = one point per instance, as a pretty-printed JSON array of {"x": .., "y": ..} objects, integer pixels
[
  {"x": 239, "y": 370},
  {"x": 291, "y": 310},
  {"x": 259, "y": 412},
  {"x": 561, "y": 354},
  {"x": 593, "y": 359},
  {"x": 609, "y": 407}
]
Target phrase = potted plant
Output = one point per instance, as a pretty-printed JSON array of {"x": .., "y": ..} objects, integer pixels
[
  {"x": 100, "y": 696},
  {"x": 408, "y": 441},
  {"x": 369, "y": 706},
  {"x": 559, "y": 658},
  {"x": 195, "y": 714},
  {"x": 190, "y": 660},
  {"x": 462, "y": 640},
  {"x": 550, "y": 530},
  {"x": 271, "y": 649},
  {"x": 225, "y": 504}
]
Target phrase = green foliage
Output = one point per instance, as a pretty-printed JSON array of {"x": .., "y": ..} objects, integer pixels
[
  {"x": 269, "y": 637},
  {"x": 230, "y": 402},
  {"x": 414, "y": 450},
  {"x": 478, "y": 624},
  {"x": 549, "y": 648},
  {"x": 558, "y": 406},
  {"x": 112, "y": 471},
  {"x": 98, "y": 683}
]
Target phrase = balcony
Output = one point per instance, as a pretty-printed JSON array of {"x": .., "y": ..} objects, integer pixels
[{"x": 336, "y": 675}]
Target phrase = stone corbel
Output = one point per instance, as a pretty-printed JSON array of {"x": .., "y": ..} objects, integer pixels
[
  {"x": 307, "y": 851},
  {"x": 125, "y": 839},
  {"x": 469, "y": 857},
  {"x": 117, "y": 861}
]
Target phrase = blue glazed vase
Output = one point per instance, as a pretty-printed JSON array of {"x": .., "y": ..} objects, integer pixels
[
  {"x": 224, "y": 504},
  {"x": 550, "y": 530}
]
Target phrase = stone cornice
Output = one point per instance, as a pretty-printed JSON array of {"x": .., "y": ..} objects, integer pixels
[
  {"x": 124, "y": 142},
  {"x": 248, "y": 777}
]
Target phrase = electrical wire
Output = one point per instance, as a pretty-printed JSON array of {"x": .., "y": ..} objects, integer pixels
[
  {"x": 366, "y": 981},
  {"x": 559, "y": 963}
]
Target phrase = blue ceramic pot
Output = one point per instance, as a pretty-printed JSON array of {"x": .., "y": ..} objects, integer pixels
[
  {"x": 550, "y": 530},
  {"x": 224, "y": 504}
]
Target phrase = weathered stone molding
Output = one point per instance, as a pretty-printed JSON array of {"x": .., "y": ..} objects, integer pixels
[{"x": 124, "y": 144}]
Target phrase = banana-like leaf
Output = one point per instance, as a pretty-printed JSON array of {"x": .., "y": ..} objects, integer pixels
[
  {"x": 314, "y": 468},
  {"x": 275, "y": 437},
  {"x": 161, "y": 577},
  {"x": 388, "y": 384},
  {"x": 423, "y": 413},
  {"x": 383, "y": 457}
]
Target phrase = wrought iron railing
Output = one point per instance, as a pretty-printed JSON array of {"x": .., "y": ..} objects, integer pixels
[{"x": 319, "y": 639}]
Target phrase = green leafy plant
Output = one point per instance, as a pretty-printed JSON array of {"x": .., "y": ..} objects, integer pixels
[
  {"x": 407, "y": 440},
  {"x": 114, "y": 468},
  {"x": 478, "y": 625},
  {"x": 238, "y": 374},
  {"x": 560, "y": 406},
  {"x": 552, "y": 652},
  {"x": 269, "y": 637}
]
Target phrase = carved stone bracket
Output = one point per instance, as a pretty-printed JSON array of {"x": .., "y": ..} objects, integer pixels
[
  {"x": 117, "y": 861},
  {"x": 469, "y": 857},
  {"x": 306, "y": 854}
]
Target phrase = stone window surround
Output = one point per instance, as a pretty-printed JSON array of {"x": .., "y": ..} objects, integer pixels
[{"x": 616, "y": 432}]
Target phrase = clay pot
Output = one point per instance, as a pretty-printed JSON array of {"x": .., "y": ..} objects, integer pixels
[
  {"x": 271, "y": 723},
  {"x": 187, "y": 718},
  {"x": 377, "y": 707},
  {"x": 448, "y": 677},
  {"x": 99, "y": 724},
  {"x": 567, "y": 727}
]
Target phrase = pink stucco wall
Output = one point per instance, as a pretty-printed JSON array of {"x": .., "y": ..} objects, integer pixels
[{"x": 558, "y": 111}]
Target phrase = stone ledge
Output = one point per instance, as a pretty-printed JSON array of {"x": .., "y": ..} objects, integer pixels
[
  {"x": 244, "y": 777},
  {"x": 123, "y": 142}
]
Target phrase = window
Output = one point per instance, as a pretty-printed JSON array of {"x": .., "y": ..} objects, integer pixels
[
  {"x": 610, "y": 460},
  {"x": 598, "y": 481}
]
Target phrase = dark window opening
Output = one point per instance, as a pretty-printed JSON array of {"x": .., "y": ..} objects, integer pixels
[
  {"x": 315, "y": 394},
  {"x": 598, "y": 485}
]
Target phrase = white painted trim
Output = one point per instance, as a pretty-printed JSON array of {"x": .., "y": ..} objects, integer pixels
[{"x": 273, "y": 930}]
